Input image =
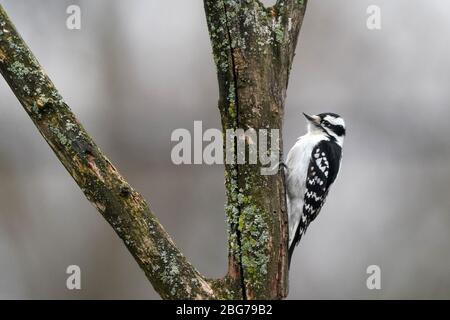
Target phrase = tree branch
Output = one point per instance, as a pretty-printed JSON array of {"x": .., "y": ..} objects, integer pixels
[
  {"x": 292, "y": 13},
  {"x": 124, "y": 208}
]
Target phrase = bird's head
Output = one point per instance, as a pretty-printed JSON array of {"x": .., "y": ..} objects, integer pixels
[{"x": 329, "y": 124}]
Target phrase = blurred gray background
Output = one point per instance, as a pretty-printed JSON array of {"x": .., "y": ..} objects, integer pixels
[{"x": 139, "y": 69}]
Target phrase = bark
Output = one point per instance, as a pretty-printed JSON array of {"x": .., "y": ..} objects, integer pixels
[{"x": 253, "y": 48}]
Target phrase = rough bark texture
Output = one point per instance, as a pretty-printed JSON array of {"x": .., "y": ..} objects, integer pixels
[{"x": 253, "y": 48}]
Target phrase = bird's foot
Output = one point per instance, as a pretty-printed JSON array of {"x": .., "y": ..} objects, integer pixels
[{"x": 282, "y": 167}]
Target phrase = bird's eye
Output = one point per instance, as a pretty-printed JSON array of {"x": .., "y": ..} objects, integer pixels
[{"x": 325, "y": 123}]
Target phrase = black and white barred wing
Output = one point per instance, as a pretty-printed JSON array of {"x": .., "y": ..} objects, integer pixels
[{"x": 322, "y": 172}]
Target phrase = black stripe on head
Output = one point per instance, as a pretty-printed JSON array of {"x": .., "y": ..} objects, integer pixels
[{"x": 339, "y": 130}]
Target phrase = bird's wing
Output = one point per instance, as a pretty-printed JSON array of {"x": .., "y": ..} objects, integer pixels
[{"x": 322, "y": 172}]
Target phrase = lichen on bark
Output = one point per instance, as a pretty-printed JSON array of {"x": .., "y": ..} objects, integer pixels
[{"x": 253, "y": 49}]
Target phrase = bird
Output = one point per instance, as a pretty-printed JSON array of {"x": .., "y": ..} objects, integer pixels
[{"x": 311, "y": 167}]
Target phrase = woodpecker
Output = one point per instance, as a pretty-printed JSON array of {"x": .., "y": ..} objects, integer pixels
[{"x": 311, "y": 167}]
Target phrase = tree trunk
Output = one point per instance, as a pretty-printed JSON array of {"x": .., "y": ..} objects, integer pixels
[{"x": 253, "y": 48}]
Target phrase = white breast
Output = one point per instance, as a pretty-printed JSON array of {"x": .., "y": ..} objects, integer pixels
[{"x": 297, "y": 163}]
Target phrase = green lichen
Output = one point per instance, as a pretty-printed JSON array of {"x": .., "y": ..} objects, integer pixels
[
  {"x": 232, "y": 212},
  {"x": 19, "y": 70},
  {"x": 36, "y": 113},
  {"x": 63, "y": 140},
  {"x": 232, "y": 112},
  {"x": 243, "y": 25},
  {"x": 254, "y": 242},
  {"x": 70, "y": 126},
  {"x": 217, "y": 21},
  {"x": 248, "y": 220},
  {"x": 226, "y": 289},
  {"x": 278, "y": 29},
  {"x": 27, "y": 90}
]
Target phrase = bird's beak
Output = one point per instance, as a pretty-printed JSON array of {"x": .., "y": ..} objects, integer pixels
[{"x": 312, "y": 119}]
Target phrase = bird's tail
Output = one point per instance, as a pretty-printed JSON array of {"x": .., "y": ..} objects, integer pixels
[
  {"x": 290, "y": 253},
  {"x": 294, "y": 243}
]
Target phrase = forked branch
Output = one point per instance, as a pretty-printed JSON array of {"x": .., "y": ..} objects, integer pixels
[{"x": 253, "y": 49}]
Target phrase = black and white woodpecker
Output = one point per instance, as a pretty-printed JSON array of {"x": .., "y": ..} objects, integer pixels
[{"x": 312, "y": 166}]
